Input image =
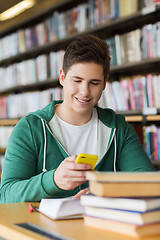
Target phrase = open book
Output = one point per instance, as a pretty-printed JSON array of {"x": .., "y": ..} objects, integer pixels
[{"x": 61, "y": 208}]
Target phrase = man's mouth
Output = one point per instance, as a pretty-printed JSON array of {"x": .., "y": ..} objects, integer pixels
[{"x": 83, "y": 100}]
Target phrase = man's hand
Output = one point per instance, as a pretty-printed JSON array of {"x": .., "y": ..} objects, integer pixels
[
  {"x": 80, "y": 193},
  {"x": 70, "y": 174}
]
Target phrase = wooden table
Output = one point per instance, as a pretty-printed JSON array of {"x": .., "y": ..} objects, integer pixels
[{"x": 13, "y": 213}]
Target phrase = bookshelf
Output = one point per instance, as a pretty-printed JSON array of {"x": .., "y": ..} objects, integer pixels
[{"x": 105, "y": 30}]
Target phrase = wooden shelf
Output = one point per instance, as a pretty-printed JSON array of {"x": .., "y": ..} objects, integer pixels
[
  {"x": 2, "y": 150},
  {"x": 142, "y": 67},
  {"x": 156, "y": 163},
  {"x": 8, "y": 122},
  {"x": 139, "y": 118},
  {"x": 153, "y": 118},
  {"x": 48, "y": 83}
]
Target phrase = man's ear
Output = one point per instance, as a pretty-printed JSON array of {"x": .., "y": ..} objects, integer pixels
[
  {"x": 105, "y": 81},
  {"x": 61, "y": 78}
]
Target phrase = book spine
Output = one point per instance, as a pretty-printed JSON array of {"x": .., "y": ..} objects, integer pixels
[
  {"x": 150, "y": 90},
  {"x": 152, "y": 141}
]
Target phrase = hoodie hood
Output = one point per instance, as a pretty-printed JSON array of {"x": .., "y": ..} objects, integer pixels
[{"x": 47, "y": 112}]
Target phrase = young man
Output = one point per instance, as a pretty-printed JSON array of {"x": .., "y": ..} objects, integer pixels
[{"x": 41, "y": 152}]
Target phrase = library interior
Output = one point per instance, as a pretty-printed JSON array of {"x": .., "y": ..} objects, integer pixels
[{"x": 34, "y": 36}]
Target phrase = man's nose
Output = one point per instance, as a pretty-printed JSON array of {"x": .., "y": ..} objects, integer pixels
[{"x": 84, "y": 90}]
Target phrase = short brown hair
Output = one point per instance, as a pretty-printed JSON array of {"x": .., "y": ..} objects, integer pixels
[{"x": 87, "y": 48}]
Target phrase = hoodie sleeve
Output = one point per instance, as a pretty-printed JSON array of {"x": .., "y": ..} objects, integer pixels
[{"x": 20, "y": 181}]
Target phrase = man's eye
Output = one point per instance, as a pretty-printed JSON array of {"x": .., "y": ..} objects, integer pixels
[
  {"x": 94, "y": 83},
  {"x": 77, "y": 81}
]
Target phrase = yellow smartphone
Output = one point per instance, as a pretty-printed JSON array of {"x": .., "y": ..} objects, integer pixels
[{"x": 88, "y": 159}]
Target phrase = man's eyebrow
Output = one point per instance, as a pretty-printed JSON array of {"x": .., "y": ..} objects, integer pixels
[
  {"x": 96, "y": 80},
  {"x": 77, "y": 77}
]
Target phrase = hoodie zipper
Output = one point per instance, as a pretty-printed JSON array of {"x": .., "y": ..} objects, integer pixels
[
  {"x": 108, "y": 146},
  {"x": 57, "y": 140},
  {"x": 111, "y": 139}
]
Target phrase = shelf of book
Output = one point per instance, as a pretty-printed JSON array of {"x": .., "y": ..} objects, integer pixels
[
  {"x": 34, "y": 52},
  {"x": 106, "y": 30},
  {"x": 44, "y": 8},
  {"x": 122, "y": 70},
  {"x": 110, "y": 28}
]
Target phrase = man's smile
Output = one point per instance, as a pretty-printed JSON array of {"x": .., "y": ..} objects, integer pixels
[{"x": 82, "y": 100}]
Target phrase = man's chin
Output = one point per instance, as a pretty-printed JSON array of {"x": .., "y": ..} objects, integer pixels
[{"x": 83, "y": 111}]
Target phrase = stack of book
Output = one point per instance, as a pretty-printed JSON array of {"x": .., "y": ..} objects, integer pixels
[{"x": 124, "y": 203}]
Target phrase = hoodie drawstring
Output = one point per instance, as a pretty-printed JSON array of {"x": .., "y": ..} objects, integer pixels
[
  {"x": 45, "y": 143},
  {"x": 115, "y": 150}
]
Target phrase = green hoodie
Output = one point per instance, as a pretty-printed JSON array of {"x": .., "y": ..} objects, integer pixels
[{"x": 35, "y": 150}]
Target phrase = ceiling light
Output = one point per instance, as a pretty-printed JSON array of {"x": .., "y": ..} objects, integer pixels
[{"x": 16, "y": 9}]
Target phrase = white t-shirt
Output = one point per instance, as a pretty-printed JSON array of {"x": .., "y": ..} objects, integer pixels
[{"x": 80, "y": 139}]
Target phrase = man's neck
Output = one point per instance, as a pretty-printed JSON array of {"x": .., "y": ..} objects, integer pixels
[{"x": 71, "y": 117}]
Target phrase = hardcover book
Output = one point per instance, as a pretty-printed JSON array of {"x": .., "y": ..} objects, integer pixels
[
  {"x": 123, "y": 228},
  {"x": 133, "y": 204},
  {"x": 122, "y": 215},
  {"x": 107, "y": 184}
]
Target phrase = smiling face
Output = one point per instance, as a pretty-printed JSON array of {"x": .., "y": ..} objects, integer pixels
[{"x": 82, "y": 85}]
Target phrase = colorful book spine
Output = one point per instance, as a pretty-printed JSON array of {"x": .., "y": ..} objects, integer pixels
[
  {"x": 136, "y": 92},
  {"x": 152, "y": 141}
]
